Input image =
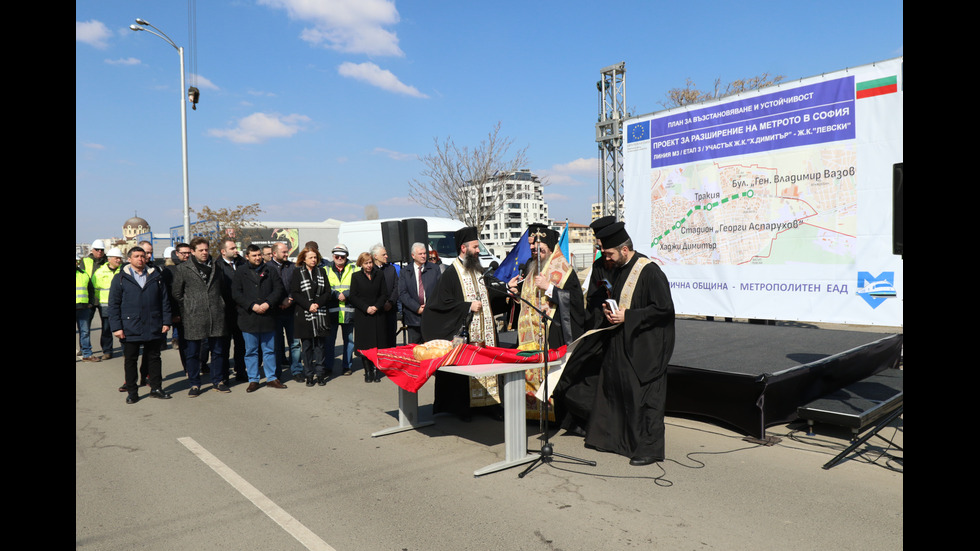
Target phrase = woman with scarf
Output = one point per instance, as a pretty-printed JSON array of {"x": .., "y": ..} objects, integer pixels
[{"x": 310, "y": 291}]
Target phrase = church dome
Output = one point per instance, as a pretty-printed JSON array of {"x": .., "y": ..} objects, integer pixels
[{"x": 135, "y": 226}]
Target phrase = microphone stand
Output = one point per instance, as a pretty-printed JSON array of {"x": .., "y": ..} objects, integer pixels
[{"x": 547, "y": 451}]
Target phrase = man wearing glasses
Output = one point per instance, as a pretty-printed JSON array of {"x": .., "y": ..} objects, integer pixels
[{"x": 341, "y": 312}]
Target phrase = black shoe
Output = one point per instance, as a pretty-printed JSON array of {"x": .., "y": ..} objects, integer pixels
[
  {"x": 576, "y": 431},
  {"x": 159, "y": 393},
  {"x": 299, "y": 378},
  {"x": 222, "y": 388},
  {"x": 132, "y": 398},
  {"x": 640, "y": 461},
  {"x": 309, "y": 380},
  {"x": 123, "y": 388},
  {"x": 194, "y": 392},
  {"x": 321, "y": 380}
]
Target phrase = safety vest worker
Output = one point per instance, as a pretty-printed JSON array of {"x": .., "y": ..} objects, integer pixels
[
  {"x": 340, "y": 284},
  {"x": 102, "y": 278}
]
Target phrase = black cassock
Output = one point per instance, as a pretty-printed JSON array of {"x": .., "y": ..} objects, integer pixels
[
  {"x": 442, "y": 318},
  {"x": 614, "y": 385}
]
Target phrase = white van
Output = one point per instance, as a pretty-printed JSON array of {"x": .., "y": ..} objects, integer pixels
[{"x": 360, "y": 236}]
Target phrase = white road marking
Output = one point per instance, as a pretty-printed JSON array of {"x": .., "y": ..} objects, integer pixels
[{"x": 276, "y": 513}]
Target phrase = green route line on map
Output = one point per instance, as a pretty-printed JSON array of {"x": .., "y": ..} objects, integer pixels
[{"x": 707, "y": 207}]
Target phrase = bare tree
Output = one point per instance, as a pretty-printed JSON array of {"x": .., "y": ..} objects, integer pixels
[
  {"x": 689, "y": 94},
  {"x": 459, "y": 182},
  {"x": 216, "y": 224}
]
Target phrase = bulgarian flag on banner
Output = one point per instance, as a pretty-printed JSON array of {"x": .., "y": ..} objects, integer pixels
[{"x": 877, "y": 87}]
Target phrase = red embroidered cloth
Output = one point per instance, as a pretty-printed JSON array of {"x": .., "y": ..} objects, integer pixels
[{"x": 400, "y": 365}]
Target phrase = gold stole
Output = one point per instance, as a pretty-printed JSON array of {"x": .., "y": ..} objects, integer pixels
[
  {"x": 530, "y": 326},
  {"x": 484, "y": 391},
  {"x": 626, "y": 295},
  {"x": 531, "y": 330}
]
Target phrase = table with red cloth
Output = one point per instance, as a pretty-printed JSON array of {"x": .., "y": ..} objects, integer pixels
[{"x": 399, "y": 365}]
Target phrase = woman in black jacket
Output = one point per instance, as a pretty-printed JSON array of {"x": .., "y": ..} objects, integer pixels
[
  {"x": 368, "y": 293},
  {"x": 310, "y": 290}
]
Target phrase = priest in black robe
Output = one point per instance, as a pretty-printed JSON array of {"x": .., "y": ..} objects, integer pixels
[
  {"x": 614, "y": 385},
  {"x": 461, "y": 300},
  {"x": 599, "y": 286}
]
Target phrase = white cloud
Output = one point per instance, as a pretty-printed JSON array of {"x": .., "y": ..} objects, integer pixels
[
  {"x": 376, "y": 76},
  {"x": 578, "y": 165},
  {"x": 94, "y": 33},
  {"x": 572, "y": 173},
  {"x": 124, "y": 61},
  {"x": 259, "y": 127},
  {"x": 353, "y": 26},
  {"x": 202, "y": 83},
  {"x": 396, "y": 155}
]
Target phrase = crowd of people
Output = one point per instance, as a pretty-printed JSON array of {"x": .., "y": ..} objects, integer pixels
[
  {"x": 282, "y": 319},
  {"x": 246, "y": 317}
]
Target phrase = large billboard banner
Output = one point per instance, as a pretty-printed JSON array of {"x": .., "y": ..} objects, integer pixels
[{"x": 775, "y": 204}]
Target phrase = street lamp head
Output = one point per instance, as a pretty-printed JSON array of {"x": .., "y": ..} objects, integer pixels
[
  {"x": 136, "y": 28},
  {"x": 141, "y": 21}
]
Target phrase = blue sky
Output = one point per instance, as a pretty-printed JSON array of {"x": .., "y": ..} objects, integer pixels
[{"x": 317, "y": 109}]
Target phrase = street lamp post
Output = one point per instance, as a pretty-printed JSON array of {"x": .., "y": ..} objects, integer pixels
[{"x": 183, "y": 117}]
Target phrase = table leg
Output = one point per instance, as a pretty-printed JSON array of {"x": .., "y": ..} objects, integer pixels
[
  {"x": 515, "y": 426},
  {"x": 408, "y": 414}
]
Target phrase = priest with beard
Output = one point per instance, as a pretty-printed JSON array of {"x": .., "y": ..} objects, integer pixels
[
  {"x": 461, "y": 298},
  {"x": 555, "y": 288},
  {"x": 614, "y": 384}
]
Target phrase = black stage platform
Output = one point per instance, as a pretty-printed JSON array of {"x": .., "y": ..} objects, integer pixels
[{"x": 753, "y": 376}]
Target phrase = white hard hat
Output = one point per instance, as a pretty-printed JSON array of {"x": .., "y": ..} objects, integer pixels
[
  {"x": 97, "y": 244},
  {"x": 167, "y": 252},
  {"x": 115, "y": 252}
]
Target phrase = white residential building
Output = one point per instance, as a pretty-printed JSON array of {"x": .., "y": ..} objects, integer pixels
[{"x": 523, "y": 204}]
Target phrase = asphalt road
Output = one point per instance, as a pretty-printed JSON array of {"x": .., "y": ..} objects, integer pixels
[{"x": 297, "y": 469}]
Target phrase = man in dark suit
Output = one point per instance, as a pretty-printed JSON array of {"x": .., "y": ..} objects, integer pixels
[{"x": 412, "y": 295}]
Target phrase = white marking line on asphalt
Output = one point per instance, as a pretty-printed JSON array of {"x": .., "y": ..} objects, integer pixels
[{"x": 278, "y": 514}]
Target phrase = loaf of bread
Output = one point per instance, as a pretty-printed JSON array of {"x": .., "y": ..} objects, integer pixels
[{"x": 432, "y": 349}]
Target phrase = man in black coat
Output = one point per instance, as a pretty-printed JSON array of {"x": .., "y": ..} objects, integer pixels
[
  {"x": 380, "y": 256},
  {"x": 257, "y": 290},
  {"x": 412, "y": 295},
  {"x": 285, "y": 319},
  {"x": 230, "y": 262}
]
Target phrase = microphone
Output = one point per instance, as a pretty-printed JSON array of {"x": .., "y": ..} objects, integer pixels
[
  {"x": 493, "y": 268},
  {"x": 494, "y": 284}
]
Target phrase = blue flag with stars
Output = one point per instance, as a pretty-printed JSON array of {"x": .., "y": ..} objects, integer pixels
[{"x": 512, "y": 263}]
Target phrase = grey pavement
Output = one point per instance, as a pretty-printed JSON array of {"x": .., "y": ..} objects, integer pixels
[{"x": 297, "y": 469}]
